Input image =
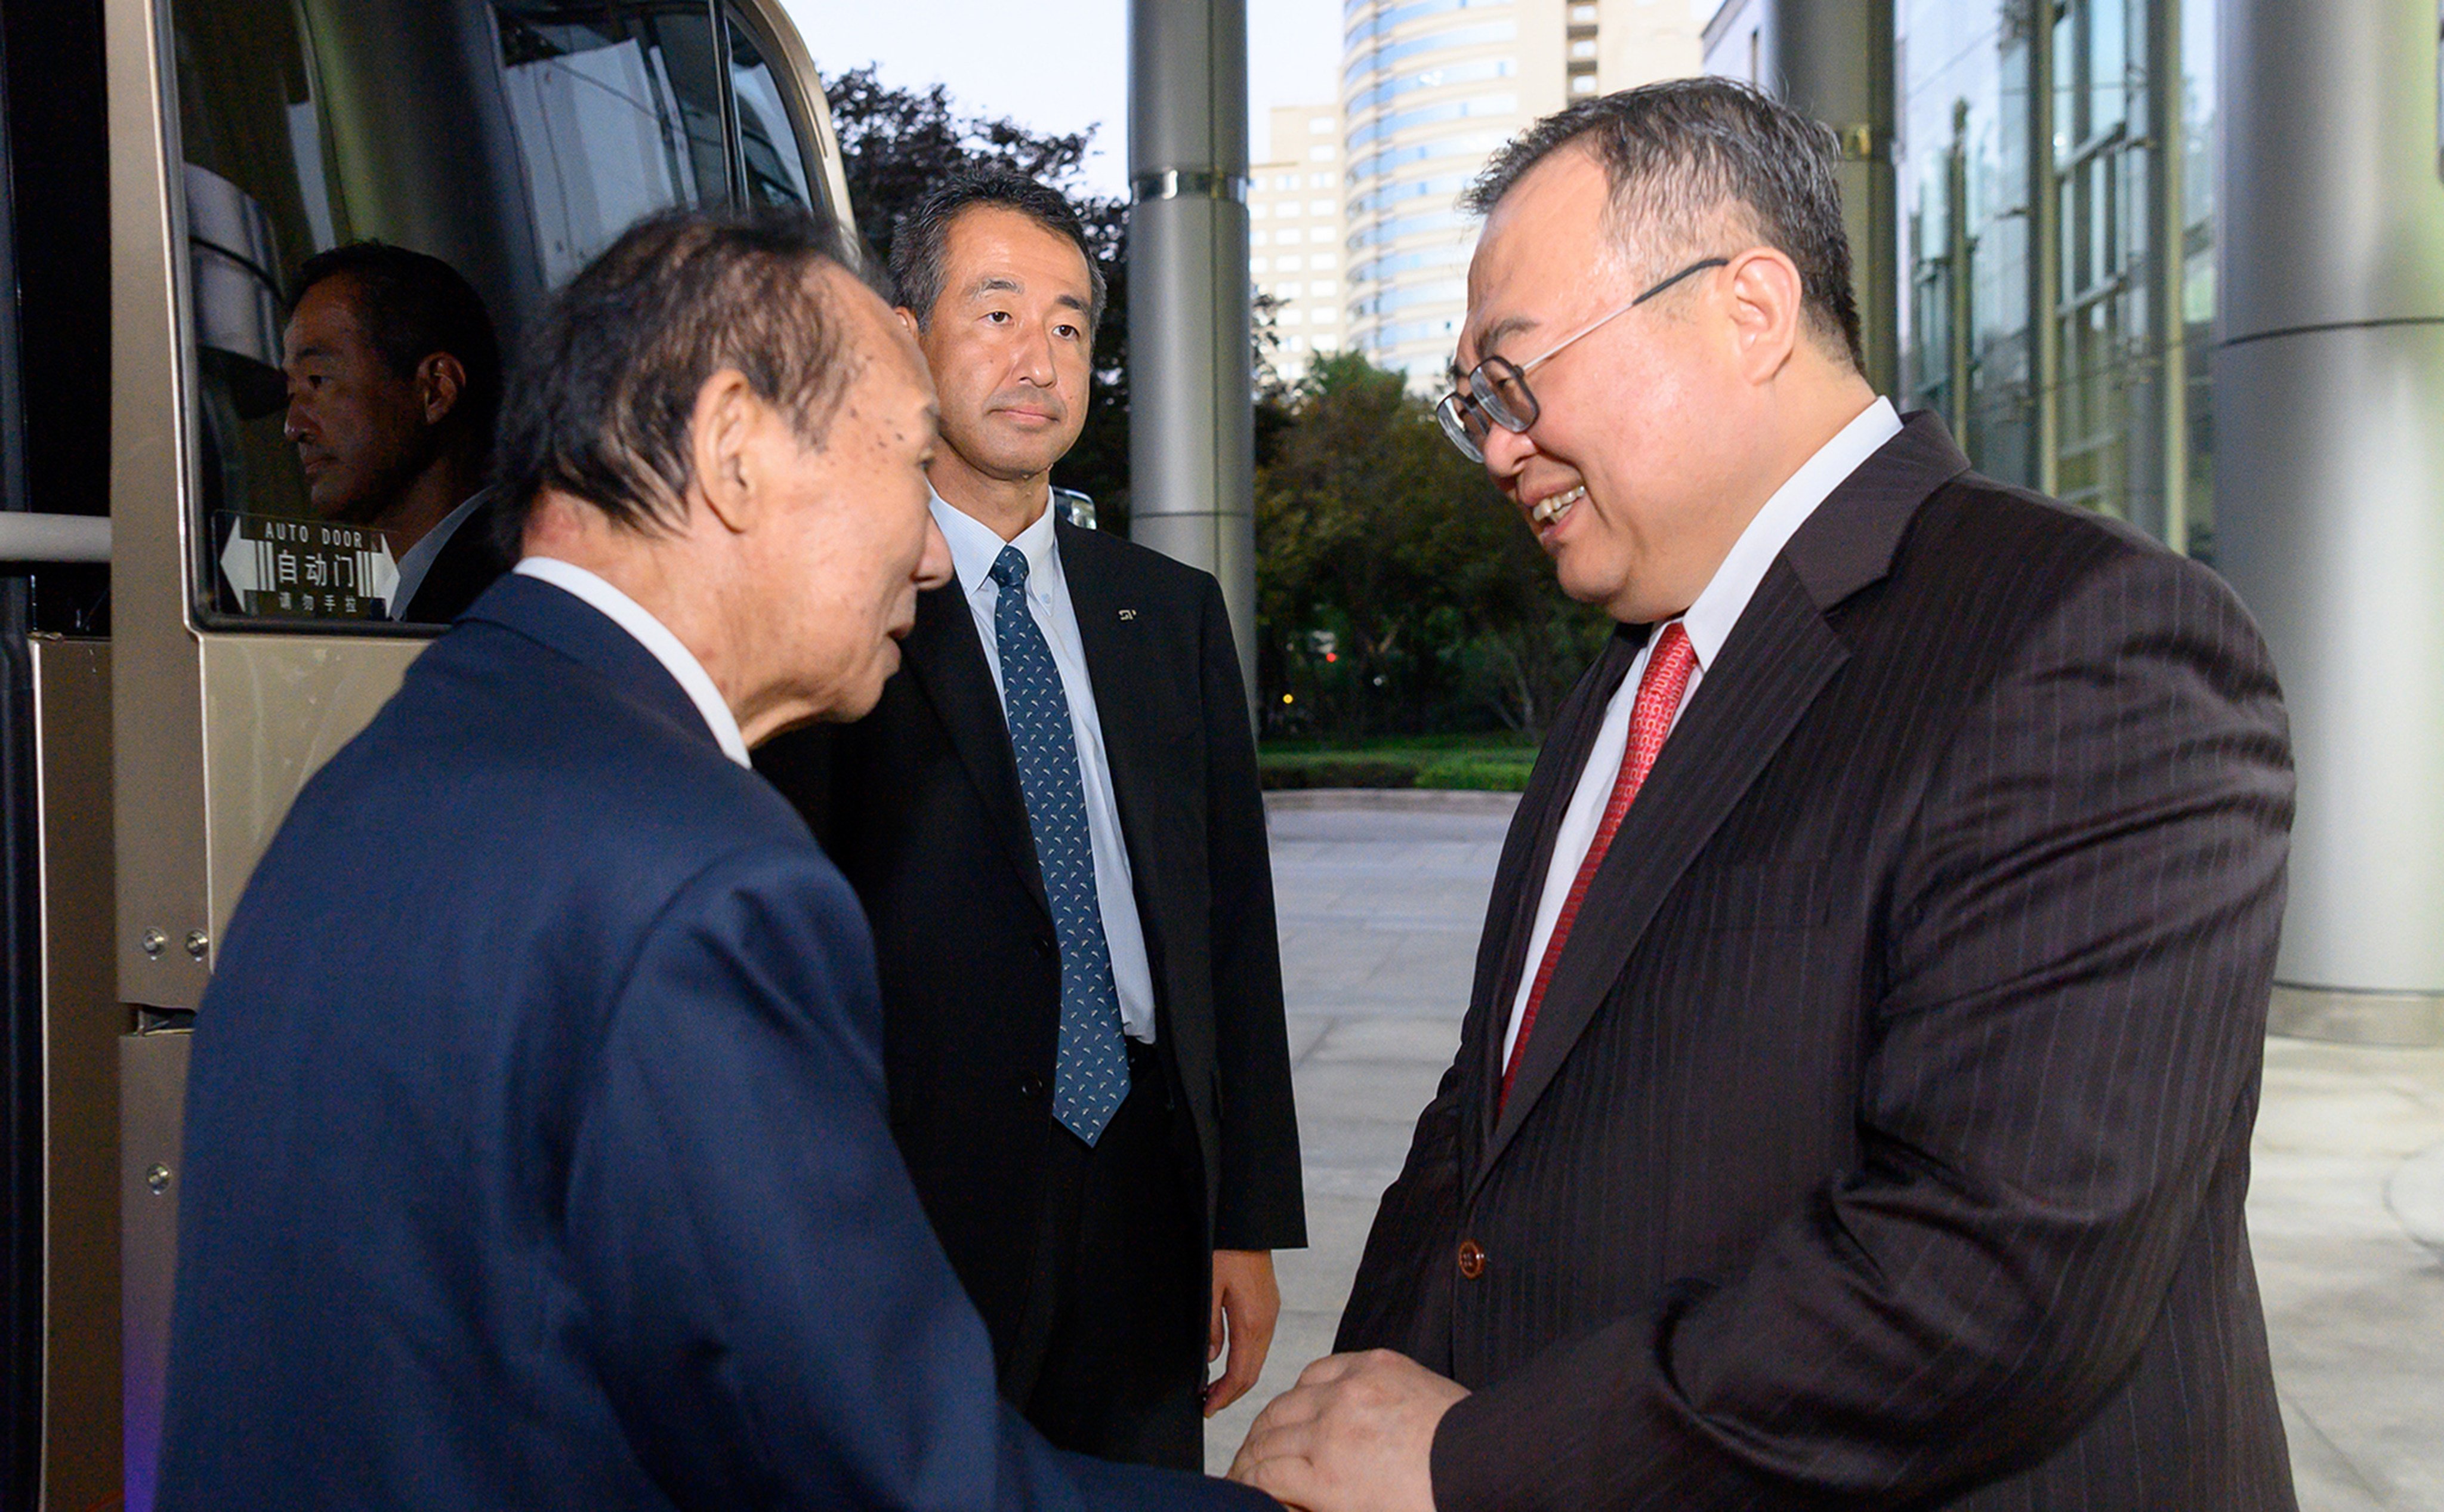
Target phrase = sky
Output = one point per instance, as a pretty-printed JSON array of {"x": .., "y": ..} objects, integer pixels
[{"x": 1060, "y": 66}]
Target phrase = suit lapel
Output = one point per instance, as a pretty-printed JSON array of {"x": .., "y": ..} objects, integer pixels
[
  {"x": 1772, "y": 668},
  {"x": 949, "y": 663},
  {"x": 1527, "y": 853},
  {"x": 1778, "y": 659},
  {"x": 1116, "y": 667}
]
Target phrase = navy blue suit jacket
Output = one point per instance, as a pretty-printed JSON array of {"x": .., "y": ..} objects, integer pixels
[{"x": 536, "y": 1145}]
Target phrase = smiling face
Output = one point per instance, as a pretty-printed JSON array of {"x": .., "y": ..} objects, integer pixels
[
  {"x": 1008, "y": 343},
  {"x": 1628, "y": 475}
]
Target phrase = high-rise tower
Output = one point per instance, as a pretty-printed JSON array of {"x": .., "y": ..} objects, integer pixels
[
  {"x": 1430, "y": 88},
  {"x": 1294, "y": 234}
]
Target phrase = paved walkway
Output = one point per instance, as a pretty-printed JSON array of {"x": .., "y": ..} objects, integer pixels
[{"x": 1381, "y": 897}]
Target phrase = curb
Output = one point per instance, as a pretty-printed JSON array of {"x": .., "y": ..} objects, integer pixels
[
  {"x": 1400, "y": 799},
  {"x": 2400, "y": 1020}
]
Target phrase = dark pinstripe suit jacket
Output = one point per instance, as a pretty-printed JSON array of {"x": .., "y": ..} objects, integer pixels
[{"x": 1885, "y": 1130}]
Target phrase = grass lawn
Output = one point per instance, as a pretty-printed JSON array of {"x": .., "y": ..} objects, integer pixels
[{"x": 1494, "y": 762}]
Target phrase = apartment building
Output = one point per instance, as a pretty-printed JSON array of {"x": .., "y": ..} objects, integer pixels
[{"x": 1294, "y": 233}]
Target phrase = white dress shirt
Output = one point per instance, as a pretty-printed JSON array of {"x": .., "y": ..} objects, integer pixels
[
  {"x": 655, "y": 637},
  {"x": 1708, "y": 622},
  {"x": 973, "y": 548},
  {"x": 418, "y": 560}
]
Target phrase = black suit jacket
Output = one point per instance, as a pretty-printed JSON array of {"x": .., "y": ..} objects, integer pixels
[
  {"x": 919, "y": 803},
  {"x": 467, "y": 565},
  {"x": 1882, "y": 1137},
  {"x": 536, "y": 1152}
]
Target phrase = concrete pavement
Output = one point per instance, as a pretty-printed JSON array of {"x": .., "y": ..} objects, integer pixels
[{"x": 1381, "y": 897}]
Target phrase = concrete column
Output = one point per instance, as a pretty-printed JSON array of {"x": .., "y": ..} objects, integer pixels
[
  {"x": 1833, "y": 59},
  {"x": 2329, "y": 509},
  {"x": 1192, "y": 435}
]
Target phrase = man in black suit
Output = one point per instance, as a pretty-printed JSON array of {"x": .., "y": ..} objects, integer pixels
[
  {"x": 1853, "y": 1106},
  {"x": 394, "y": 381},
  {"x": 1053, "y": 820},
  {"x": 546, "y": 1164}
]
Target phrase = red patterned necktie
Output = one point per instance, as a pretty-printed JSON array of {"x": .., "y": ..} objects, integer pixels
[{"x": 1650, "y": 720}]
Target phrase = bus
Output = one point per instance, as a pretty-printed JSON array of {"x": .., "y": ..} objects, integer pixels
[{"x": 188, "y": 625}]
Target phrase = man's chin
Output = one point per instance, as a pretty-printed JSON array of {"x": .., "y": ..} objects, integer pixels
[
  {"x": 336, "y": 504},
  {"x": 1029, "y": 453},
  {"x": 1580, "y": 590},
  {"x": 854, "y": 704}
]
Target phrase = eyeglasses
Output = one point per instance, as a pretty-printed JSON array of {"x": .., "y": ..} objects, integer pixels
[{"x": 1495, "y": 391}]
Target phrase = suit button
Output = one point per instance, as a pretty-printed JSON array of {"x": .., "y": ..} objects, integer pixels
[
  {"x": 1472, "y": 1259},
  {"x": 1031, "y": 1086}
]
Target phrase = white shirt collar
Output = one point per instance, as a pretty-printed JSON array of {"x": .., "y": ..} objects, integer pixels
[
  {"x": 419, "y": 558},
  {"x": 655, "y": 637},
  {"x": 975, "y": 546},
  {"x": 1709, "y": 620}
]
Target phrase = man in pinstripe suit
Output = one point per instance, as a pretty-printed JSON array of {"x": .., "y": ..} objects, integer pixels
[{"x": 1853, "y": 1107}]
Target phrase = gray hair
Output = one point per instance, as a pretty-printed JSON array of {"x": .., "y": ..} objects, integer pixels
[
  {"x": 602, "y": 402},
  {"x": 1681, "y": 151}
]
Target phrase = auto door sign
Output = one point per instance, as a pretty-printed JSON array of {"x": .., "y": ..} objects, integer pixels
[{"x": 304, "y": 569}]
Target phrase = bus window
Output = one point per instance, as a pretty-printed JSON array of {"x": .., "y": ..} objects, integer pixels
[
  {"x": 768, "y": 137},
  {"x": 619, "y": 115},
  {"x": 489, "y": 147}
]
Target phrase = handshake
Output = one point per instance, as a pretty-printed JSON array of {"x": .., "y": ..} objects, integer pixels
[{"x": 1356, "y": 1434}]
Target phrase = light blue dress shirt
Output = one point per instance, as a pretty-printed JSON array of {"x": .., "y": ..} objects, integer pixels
[{"x": 973, "y": 546}]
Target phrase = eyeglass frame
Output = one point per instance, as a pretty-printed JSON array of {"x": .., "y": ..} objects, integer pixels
[{"x": 1477, "y": 391}]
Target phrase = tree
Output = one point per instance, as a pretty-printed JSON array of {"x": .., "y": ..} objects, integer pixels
[
  {"x": 1398, "y": 590},
  {"x": 898, "y": 143}
]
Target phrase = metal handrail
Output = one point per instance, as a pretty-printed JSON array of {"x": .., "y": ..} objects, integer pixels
[{"x": 54, "y": 537}]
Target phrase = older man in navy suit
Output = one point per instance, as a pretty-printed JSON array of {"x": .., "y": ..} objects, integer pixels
[{"x": 545, "y": 1164}]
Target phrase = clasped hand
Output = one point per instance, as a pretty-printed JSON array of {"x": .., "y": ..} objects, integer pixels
[{"x": 1356, "y": 1434}]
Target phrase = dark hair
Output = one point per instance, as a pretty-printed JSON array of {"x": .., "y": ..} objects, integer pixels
[
  {"x": 604, "y": 396},
  {"x": 413, "y": 306},
  {"x": 1680, "y": 149},
  {"x": 918, "y": 244}
]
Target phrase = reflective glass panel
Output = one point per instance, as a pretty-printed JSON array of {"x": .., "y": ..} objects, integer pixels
[
  {"x": 619, "y": 115},
  {"x": 376, "y": 194},
  {"x": 769, "y": 141}
]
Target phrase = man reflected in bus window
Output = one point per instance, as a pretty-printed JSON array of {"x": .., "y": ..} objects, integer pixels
[{"x": 394, "y": 380}]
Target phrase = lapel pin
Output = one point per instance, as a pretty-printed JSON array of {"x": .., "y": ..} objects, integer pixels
[{"x": 1128, "y": 613}]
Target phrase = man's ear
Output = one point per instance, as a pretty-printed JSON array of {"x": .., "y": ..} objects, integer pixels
[
  {"x": 908, "y": 319},
  {"x": 439, "y": 381},
  {"x": 1768, "y": 309},
  {"x": 721, "y": 447}
]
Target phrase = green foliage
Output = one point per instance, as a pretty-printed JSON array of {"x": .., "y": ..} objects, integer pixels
[
  {"x": 1338, "y": 769},
  {"x": 898, "y": 143},
  {"x": 1490, "y": 762},
  {"x": 1396, "y": 590}
]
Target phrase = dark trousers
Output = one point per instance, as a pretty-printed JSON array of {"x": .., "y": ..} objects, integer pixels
[{"x": 1116, "y": 1326}]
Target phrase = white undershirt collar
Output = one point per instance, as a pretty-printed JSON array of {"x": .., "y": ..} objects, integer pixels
[
  {"x": 655, "y": 637},
  {"x": 1709, "y": 621}
]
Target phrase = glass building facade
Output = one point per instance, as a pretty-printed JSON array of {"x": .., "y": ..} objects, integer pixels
[
  {"x": 1430, "y": 90},
  {"x": 2056, "y": 162}
]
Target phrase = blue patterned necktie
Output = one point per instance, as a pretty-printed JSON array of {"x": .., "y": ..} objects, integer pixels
[{"x": 1091, "y": 1075}]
